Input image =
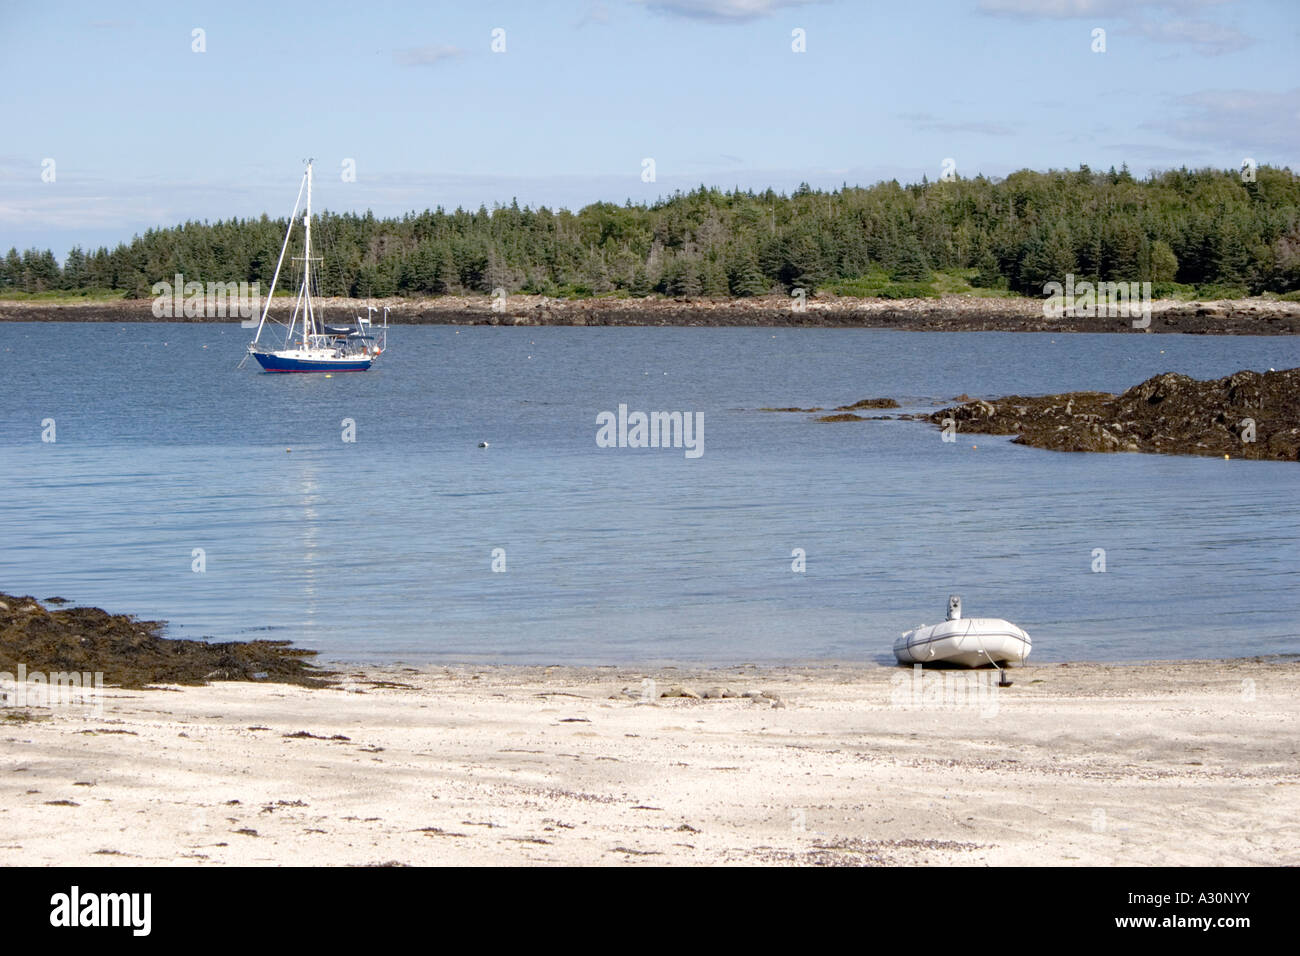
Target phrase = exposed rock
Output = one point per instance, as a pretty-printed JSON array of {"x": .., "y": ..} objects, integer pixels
[
  {"x": 1168, "y": 414},
  {"x": 680, "y": 692},
  {"x": 842, "y": 417},
  {"x": 869, "y": 403}
]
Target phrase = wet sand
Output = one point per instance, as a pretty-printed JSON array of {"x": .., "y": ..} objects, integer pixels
[{"x": 1079, "y": 764}]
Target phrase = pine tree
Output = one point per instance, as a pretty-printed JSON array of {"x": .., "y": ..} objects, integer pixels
[
  {"x": 640, "y": 286},
  {"x": 745, "y": 277},
  {"x": 1164, "y": 264},
  {"x": 988, "y": 275},
  {"x": 74, "y": 269},
  {"x": 713, "y": 279},
  {"x": 910, "y": 263}
]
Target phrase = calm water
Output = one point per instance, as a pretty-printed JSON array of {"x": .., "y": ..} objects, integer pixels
[{"x": 382, "y": 548}]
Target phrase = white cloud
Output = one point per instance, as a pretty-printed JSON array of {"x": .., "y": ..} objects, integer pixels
[
  {"x": 596, "y": 13},
  {"x": 927, "y": 122},
  {"x": 1175, "y": 22},
  {"x": 427, "y": 55},
  {"x": 1256, "y": 123},
  {"x": 722, "y": 11},
  {"x": 1071, "y": 9}
]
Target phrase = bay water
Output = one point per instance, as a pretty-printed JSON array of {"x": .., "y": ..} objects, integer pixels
[{"x": 167, "y": 457}]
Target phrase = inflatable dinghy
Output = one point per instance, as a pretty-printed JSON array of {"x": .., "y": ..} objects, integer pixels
[{"x": 969, "y": 641}]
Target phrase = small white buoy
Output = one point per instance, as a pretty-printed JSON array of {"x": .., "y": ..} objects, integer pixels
[{"x": 482, "y": 444}]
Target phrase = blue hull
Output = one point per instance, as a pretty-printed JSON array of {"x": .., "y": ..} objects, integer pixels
[{"x": 276, "y": 363}]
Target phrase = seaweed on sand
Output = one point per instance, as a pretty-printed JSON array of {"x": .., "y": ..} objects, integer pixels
[{"x": 133, "y": 653}]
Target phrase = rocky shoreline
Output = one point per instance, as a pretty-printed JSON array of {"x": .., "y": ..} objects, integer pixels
[
  {"x": 953, "y": 313},
  {"x": 1244, "y": 415}
]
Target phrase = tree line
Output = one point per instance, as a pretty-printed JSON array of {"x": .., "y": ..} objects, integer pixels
[{"x": 1199, "y": 227}]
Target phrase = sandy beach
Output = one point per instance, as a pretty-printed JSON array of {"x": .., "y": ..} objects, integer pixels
[{"x": 1186, "y": 763}]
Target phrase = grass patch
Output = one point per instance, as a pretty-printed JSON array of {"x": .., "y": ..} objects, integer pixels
[
  {"x": 1220, "y": 292},
  {"x": 64, "y": 296},
  {"x": 877, "y": 284}
]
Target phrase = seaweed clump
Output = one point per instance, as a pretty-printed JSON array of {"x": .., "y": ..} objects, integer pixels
[{"x": 130, "y": 652}]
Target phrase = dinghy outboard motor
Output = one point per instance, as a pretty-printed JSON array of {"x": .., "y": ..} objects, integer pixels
[{"x": 954, "y": 607}]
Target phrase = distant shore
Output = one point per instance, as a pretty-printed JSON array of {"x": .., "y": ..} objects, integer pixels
[
  {"x": 1175, "y": 763},
  {"x": 952, "y": 313}
]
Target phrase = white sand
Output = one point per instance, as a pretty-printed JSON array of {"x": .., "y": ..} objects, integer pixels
[{"x": 1184, "y": 763}]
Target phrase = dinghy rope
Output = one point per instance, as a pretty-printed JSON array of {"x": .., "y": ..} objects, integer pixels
[{"x": 1002, "y": 674}]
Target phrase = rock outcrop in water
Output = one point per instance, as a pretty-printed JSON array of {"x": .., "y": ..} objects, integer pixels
[
  {"x": 131, "y": 653},
  {"x": 869, "y": 403},
  {"x": 1244, "y": 415}
]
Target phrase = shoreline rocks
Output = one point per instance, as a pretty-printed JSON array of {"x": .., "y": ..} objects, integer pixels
[
  {"x": 951, "y": 313},
  {"x": 869, "y": 403},
  {"x": 1247, "y": 414}
]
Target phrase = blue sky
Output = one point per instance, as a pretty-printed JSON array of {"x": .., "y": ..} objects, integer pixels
[{"x": 144, "y": 131}]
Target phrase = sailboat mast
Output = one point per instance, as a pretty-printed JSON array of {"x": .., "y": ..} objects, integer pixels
[{"x": 309, "y": 326}]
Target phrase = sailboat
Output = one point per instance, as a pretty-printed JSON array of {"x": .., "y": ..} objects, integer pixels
[{"x": 309, "y": 344}]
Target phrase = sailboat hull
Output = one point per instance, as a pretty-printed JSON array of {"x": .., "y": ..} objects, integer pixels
[{"x": 287, "y": 363}]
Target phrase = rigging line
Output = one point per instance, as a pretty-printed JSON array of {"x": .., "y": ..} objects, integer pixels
[{"x": 287, "y": 232}]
